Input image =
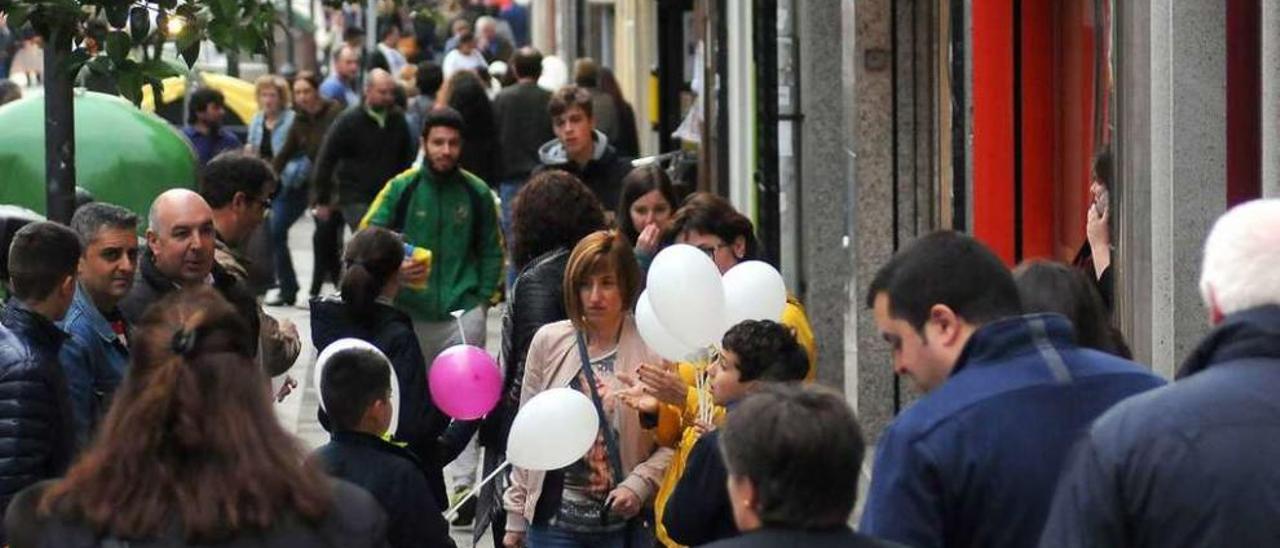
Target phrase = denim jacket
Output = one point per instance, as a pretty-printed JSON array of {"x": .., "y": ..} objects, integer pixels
[
  {"x": 94, "y": 360},
  {"x": 297, "y": 170}
]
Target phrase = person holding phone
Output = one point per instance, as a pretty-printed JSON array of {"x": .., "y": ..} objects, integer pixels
[{"x": 1094, "y": 256}]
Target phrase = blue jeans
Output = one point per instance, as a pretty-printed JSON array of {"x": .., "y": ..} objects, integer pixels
[
  {"x": 286, "y": 208},
  {"x": 507, "y": 191},
  {"x": 547, "y": 536}
]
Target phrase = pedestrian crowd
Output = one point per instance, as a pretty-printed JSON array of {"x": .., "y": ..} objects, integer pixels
[{"x": 137, "y": 374}]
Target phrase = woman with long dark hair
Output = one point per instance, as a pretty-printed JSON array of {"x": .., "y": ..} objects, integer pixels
[
  {"x": 648, "y": 203},
  {"x": 364, "y": 311},
  {"x": 191, "y": 453},
  {"x": 293, "y": 161},
  {"x": 465, "y": 93},
  {"x": 1054, "y": 287}
]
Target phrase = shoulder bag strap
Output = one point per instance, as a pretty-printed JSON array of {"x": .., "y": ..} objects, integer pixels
[
  {"x": 611, "y": 442},
  {"x": 402, "y": 205}
]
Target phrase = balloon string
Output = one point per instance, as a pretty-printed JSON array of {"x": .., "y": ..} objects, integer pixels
[
  {"x": 457, "y": 316},
  {"x": 453, "y": 512}
]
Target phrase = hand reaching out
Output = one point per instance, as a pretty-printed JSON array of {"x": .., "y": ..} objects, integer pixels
[{"x": 664, "y": 383}]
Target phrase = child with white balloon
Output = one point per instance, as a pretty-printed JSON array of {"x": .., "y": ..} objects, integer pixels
[
  {"x": 598, "y": 499},
  {"x": 711, "y": 278}
]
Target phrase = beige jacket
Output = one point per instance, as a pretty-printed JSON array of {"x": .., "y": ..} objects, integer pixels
[{"x": 552, "y": 363}]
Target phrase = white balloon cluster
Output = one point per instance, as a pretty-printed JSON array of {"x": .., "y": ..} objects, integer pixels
[{"x": 688, "y": 306}]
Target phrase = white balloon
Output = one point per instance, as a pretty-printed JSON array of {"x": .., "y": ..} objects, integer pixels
[
  {"x": 553, "y": 430},
  {"x": 753, "y": 290},
  {"x": 655, "y": 335},
  {"x": 687, "y": 294},
  {"x": 341, "y": 345}
]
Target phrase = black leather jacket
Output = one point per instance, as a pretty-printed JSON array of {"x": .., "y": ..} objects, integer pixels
[
  {"x": 537, "y": 299},
  {"x": 36, "y": 432}
]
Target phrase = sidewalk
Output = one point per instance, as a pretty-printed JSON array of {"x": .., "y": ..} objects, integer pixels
[{"x": 298, "y": 411}]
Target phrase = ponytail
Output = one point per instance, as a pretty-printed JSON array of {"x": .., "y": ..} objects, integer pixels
[{"x": 372, "y": 257}]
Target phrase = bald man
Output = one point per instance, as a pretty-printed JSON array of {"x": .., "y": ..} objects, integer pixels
[
  {"x": 363, "y": 149},
  {"x": 179, "y": 254}
]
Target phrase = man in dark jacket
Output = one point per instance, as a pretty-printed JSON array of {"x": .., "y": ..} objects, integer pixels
[
  {"x": 238, "y": 188},
  {"x": 36, "y": 441},
  {"x": 366, "y": 146},
  {"x": 520, "y": 112},
  {"x": 1193, "y": 463},
  {"x": 355, "y": 386},
  {"x": 974, "y": 462},
  {"x": 581, "y": 149},
  {"x": 180, "y": 250}
]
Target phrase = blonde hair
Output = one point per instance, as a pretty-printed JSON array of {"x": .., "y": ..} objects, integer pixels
[
  {"x": 271, "y": 81},
  {"x": 1242, "y": 257}
]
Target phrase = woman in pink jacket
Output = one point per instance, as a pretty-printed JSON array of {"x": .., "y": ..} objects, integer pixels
[{"x": 598, "y": 500}]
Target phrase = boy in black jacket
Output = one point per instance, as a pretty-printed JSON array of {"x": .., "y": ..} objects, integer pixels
[
  {"x": 356, "y": 387},
  {"x": 754, "y": 353}
]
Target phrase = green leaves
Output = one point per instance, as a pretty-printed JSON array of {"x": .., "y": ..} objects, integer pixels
[{"x": 240, "y": 25}]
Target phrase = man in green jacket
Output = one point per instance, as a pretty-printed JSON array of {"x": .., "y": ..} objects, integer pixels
[{"x": 453, "y": 214}]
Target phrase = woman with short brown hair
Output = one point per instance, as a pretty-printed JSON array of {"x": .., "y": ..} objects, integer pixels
[
  {"x": 191, "y": 453},
  {"x": 598, "y": 499}
]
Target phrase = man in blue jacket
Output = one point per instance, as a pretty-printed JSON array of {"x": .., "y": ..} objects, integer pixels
[
  {"x": 96, "y": 354},
  {"x": 1194, "y": 463},
  {"x": 35, "y": 429},
  {"x": 974, "y": 462}
]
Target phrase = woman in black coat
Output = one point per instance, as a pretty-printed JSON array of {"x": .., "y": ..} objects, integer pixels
[
  {"x": 370, "y": 281},
  {"x": 465, "y": 93},
  {"x": 551, "y": 213}
]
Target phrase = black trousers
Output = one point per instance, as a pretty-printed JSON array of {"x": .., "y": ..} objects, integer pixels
[{"x": 327, "y": 244}]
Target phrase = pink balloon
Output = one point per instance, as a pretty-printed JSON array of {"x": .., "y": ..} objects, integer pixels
[{"x": 465, "y": 382}]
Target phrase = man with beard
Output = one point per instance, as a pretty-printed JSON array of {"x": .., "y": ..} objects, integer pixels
[
  {"x": 204, "y": 125},
  {"x": 364, "y": 148},
  {"x": 96, "y": 354},
  {"x": 452, "y": 214}
]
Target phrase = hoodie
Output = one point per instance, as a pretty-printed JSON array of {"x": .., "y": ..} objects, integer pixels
[{"x": 603, "y": 173}]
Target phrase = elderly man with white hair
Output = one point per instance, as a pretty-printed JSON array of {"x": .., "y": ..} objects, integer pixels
[{"x": 1195, "y": 463}]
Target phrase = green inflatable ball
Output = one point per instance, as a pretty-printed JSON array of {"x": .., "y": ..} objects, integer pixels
[{"x": 124, "y": 156}]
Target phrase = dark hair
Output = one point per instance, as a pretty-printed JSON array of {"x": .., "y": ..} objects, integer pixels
[
  {"x": 351, "y": 33},
  {"x": 201, "y": 99},
  {"x": 527, "y": 62},
  {"x": 711, "y": 214},
  {"x": 370, "y": 259},
  {"x": 553, "y": 210},
  {"x": 42, "y": 255},
  {"x": 801, "y": 448},
  {"x": 609, "y": 85},
  {"x": 191, "y": 437},
  {"x": 568, "y": 97},
  {"x": 233, "y": 172},
  {"x": 352, "y": 380},
  {"x": 1102, "y": 168},
  {"x": 466, "y": 94},
  {"x": 466, "y": 36},
  {"x": 636, "y": 184},
  {"x": 604, "y": 250},
  {"x": 1045, "y": 286},
  {"x": 586, "y": 72},
  {"x": 386, "y": 24},
  {"x": 91, "y": 218},
  {"x": 310, "y": 77},
  {"x": 429, "y": 78},
  {"x": 9, "y": 92},
  {"x": 951, "y": 269},
  {"x": 766, "y": 351},
  {"x": 442, "y": 117}
]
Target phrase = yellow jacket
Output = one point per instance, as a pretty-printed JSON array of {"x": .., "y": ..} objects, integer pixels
[{"x": 675, "y": 425}]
